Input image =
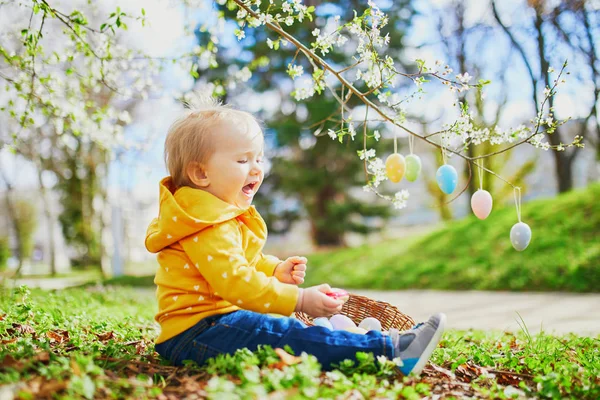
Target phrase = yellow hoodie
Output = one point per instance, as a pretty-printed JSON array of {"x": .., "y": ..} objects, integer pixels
[{"x": 211, "y": 261}]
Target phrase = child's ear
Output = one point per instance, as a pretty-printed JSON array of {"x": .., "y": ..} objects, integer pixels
[{"x": 197, "y": 175}]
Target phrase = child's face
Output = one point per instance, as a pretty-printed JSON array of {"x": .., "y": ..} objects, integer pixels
[{"x": 235, "y": 171}]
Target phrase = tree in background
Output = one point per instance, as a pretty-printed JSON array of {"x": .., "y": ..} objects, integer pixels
[
  {"x": 312, "y": 169},
  {"x": 78, "y": 93},
  {"x": 4, "y": 252},
  {"x": 561, "y": 29},
  {"x": 463, "y": 46},
  {"x": 62, "y": 84},
  {"x": 26, "y": 220}
]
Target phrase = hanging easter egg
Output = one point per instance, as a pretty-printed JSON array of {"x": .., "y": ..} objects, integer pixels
[
  {"x": 481, "y": 203},
  {"x": 413, "y": 167},
  {"x": 520, "y": 236},
  {"x": 447, "y": 178},
  {"x": 340, "y": 322},
  {"x": 370, "y": 324},
  {"x": 356, "y": 330},
  {"x": 339, "y": 294},
  {"x": 395, "y": 166},
  {"x": 324, "y": 322}
]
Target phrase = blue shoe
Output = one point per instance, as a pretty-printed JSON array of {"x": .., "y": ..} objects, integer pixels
[{"x": 414, "y": 347}]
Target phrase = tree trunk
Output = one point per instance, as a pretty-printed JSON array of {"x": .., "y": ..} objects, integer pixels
[
  {"x": 49, "y": 221},
  {"x": 12, "y": 215},
  {"x": 564, "y": 171},
  {"x": 321, "y": 234},
  {"x": 105, "y": 266},
  {"x": 562, "y": 162}
]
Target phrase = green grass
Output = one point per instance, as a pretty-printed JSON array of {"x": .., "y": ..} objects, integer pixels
[
  {"x": 96, "y": 342},
  {"x": 42, "y": 273},
  {"x": 564, "y": 254}
]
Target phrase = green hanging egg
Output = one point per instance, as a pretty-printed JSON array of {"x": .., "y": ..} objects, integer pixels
[{"x": 413, "y": 167}]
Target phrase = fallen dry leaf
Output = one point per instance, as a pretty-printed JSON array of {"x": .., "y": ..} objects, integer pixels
[
  {"x": 75, "y": 368},
  {"x": 103, "y": 337},
  {"x": 8, "y": 341},
  {"x": 287, "y": 358},
  {"x": 49, "y": 388},
  {"x": 59, "y": 336},
  {"x": 468, "y": 372},
  {"x": 508, "y": 379},
  {"x": 2, "y": 317},
  {"x": 10, "y": 362},
  {"x": 140, "y": 348},
  {"x": 42, "y": 356},
  {"x": 20, "y": 329},
  {"x": 436, "y": 368}
]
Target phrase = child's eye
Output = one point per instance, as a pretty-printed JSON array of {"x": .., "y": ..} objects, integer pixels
[
  {"x": 243, "y": 161},
  {"x": 259, "y": 160}
]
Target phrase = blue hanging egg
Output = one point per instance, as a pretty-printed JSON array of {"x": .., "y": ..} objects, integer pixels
[
  {"x": 520, "y": 236},
  {"x": 447, "y": 178}
]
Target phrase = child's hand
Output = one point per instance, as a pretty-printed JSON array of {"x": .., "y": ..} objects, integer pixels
[
  {"x": 292, "y": 270},
  {"x": 315, "y": 303}
]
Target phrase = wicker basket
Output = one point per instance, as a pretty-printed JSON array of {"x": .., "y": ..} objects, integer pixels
[{"x": 358, "y": 308}]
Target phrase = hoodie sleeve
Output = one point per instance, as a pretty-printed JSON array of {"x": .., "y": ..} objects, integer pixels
[
  {"x": 267, "y": 264},
  {"x": 218, "y": 254}
]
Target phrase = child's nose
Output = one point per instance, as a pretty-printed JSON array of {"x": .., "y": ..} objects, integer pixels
[{"x": 256, "y": 168}]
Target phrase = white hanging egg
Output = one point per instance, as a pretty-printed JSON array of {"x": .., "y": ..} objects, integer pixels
[
  {"x": 370, "y": 324},
  {"x": 447, "y": 178},
  {"x": 520, "y": 236},
  {"x": 481, "y": 203}
]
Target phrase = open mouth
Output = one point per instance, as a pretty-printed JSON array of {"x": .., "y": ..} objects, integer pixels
[{"x": 249, "y": 189}]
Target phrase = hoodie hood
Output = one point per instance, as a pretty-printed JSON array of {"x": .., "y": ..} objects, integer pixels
[{"x": 184, "y": 212}]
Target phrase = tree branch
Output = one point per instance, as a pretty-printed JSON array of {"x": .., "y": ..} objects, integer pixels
[{"x": 521, "y": 51}]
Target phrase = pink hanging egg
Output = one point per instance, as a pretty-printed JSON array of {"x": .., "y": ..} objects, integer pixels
[{"x": 481, "y": 203}]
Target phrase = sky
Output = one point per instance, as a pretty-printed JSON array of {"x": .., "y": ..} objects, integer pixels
[{"x": 165, "y": 36}]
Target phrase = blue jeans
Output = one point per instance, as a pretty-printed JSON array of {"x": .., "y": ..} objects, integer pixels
[{"x": 229, "y": 332}]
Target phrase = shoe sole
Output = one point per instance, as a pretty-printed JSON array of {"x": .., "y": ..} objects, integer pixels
[{"x": 418, "y": 368}]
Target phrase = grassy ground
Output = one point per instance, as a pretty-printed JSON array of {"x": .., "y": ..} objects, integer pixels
[
  {"x": 96, "y": 342},
  {"x": 564, "y": 254}
]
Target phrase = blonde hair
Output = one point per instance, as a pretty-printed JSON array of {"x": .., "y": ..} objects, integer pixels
[{"x": 189, "y": 137}]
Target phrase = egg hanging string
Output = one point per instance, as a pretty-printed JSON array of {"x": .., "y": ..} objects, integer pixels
[
  {"x": 480, "y": 170},
  {"x": 517, "y": 193},
  {"x": 395, "y": 142},
  {"x": 444, "y": 150},
  {"x": 410, "y": 142}
]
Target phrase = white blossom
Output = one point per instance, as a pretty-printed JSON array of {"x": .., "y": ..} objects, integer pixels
[
  {"x": 295, "y": 71},
  {"x": 240, "y": 34},
  {"x": 464, "y": 78},
  {"x": 400, "y": 199}
]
